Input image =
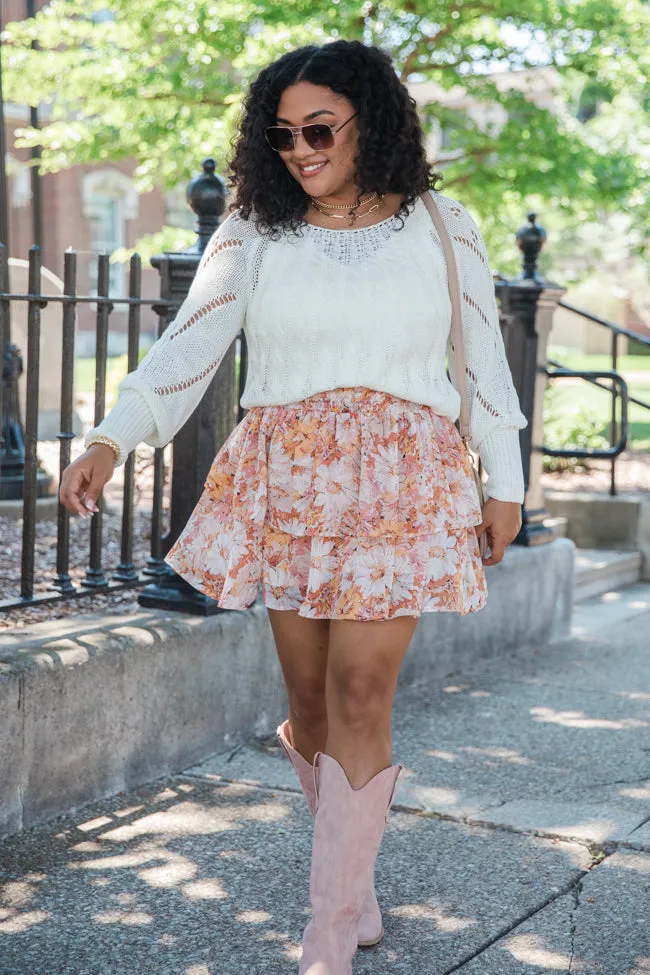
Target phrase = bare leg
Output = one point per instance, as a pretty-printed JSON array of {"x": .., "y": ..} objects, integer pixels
[
  {"x": 363, "y": 663},
  {"x": 302, "y": 650}
]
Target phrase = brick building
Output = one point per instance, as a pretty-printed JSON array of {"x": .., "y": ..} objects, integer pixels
[{"x": 89, "y": 208}]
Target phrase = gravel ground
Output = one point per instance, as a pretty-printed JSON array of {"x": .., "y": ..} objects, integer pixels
[
  {"x": 632, "y": 475},
  {"x": 121, "y": 601}
]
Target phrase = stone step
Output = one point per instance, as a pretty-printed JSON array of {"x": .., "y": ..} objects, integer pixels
[
  {"x": 558, "y": 525},
  {"x": 599, "y": 571}
]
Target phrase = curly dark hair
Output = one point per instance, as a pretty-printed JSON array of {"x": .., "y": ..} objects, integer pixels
[{"x": 391, "y": 156}]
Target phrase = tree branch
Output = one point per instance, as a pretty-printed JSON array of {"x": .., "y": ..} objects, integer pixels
[
  {"x": 174, "y": 96},
  {"x": 475, "y": 153},
  {"x": 415, "y": 53},
  {"x": 457, "y": 180},
  {"x": 478, "y": 7}
]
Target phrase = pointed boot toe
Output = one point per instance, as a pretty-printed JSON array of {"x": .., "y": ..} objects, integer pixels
[{"x": 370, "y": 927}]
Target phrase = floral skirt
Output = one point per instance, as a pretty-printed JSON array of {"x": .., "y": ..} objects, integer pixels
[{"x": 351, "y": 504}]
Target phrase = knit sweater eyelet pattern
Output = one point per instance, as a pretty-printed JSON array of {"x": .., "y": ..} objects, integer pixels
[{"x": 366, "y": 306}]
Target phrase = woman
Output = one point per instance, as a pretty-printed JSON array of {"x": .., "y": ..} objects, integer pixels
[{"x": 345, "y": 492}]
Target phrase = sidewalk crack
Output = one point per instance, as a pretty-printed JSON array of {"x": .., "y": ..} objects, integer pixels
[
  {"x": 596, "y": 785},
  {"x": 21, "y": 783},
  {"x": 493, "y": 805},
  {"x": 568, "y": 888},
  {"x": 642, "y": 823},
  {"x": 573, "y": 887},
  {"x": 595, "y": 848},
  {"x": 562, "y": 790},
  {"x": 575, "y": 893}
]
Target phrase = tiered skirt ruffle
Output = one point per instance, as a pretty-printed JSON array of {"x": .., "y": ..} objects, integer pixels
[{"x": 350, "y": 504}]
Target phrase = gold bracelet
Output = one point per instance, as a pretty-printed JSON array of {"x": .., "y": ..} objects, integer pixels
[{"x": 100, "y": 438}]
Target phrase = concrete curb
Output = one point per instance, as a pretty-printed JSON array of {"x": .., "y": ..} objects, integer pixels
[
  {"x": 97, "y": 705},
  {"x": 46, "y": 509},
  {"x": 116, "y": 703}
]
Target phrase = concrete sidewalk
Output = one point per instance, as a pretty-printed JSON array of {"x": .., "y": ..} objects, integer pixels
[{"x": 518, "y": 842}]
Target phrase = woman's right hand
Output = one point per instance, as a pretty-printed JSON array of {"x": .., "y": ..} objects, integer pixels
[{"x": 84, "y": 478}]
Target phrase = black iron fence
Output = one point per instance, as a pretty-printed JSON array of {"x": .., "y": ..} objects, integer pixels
[
  {"x": 20, "y": 473},
  {"x": 96, "y": 577}
]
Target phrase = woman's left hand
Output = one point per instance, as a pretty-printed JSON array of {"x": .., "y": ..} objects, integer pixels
[{"x": 502, "y": 521}]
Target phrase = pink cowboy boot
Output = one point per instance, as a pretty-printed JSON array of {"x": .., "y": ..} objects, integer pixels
[
  {"x": 348, "y": 829},
  {"x": 370, "y": 928}
]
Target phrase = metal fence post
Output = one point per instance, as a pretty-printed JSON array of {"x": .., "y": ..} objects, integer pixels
[
  {"x": 12, "y": 436},
  {"x": 196, "y": 444},
  {"x": 528, "y": 304}
]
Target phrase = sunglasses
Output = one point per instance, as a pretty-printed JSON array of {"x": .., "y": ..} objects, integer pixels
[{"x": 317, "y": 135}]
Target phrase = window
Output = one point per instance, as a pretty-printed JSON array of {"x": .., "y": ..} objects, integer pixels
[
  {"x": 109, "y": 200},
  {"x": 19, "y": 182},
  {"x": 105, "y": 236}
]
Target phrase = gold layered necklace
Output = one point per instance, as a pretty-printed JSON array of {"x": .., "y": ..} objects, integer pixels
[{"x": 375, "y": 201}]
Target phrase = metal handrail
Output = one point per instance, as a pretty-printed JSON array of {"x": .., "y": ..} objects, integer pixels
[
  {"x": 616, "y": 446},
  {"x": 589, "y": 376},
  {"x": 642, "y": 339}
]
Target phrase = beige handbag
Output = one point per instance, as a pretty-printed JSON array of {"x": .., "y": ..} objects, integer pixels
[{"x": 459, "y": 351}]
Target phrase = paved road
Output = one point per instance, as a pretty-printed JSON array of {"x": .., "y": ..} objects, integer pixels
[{"x": 518, "y": 842}]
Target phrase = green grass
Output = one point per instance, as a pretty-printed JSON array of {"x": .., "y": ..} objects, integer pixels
[
  {"x": 85, "y": 375},
  {"x": 599, "y": 404},
  {"x": 574, "y": 359},
  {"x": 115, "y": 373}
]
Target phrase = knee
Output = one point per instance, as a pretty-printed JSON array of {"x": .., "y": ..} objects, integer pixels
[
  {"x": 360, "y": 698},
  {"x": 308, "y": 704}
]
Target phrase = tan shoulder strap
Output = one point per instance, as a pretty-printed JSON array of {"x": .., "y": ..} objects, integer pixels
[{"x": 456, "y": 320}]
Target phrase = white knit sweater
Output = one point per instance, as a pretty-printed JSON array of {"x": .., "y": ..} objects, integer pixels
[{"x": 355, "y": 307}]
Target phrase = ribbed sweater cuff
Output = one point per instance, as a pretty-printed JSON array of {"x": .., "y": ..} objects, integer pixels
[
  {"x": 129, "y": 423},
  {"x": 500, "y": 454}
]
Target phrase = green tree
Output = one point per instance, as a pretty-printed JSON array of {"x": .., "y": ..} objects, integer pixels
[{"x": 162, "y": 83}]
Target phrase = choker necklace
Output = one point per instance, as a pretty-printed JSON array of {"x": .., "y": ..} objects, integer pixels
[
  {"x": 352, "y": 213},
  {"x": 342, "y": 206}
]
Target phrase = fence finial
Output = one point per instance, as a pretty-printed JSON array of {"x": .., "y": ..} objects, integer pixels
[
  {"x": 530, "y": 240},
  {"x": 206, "y": 194}
]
